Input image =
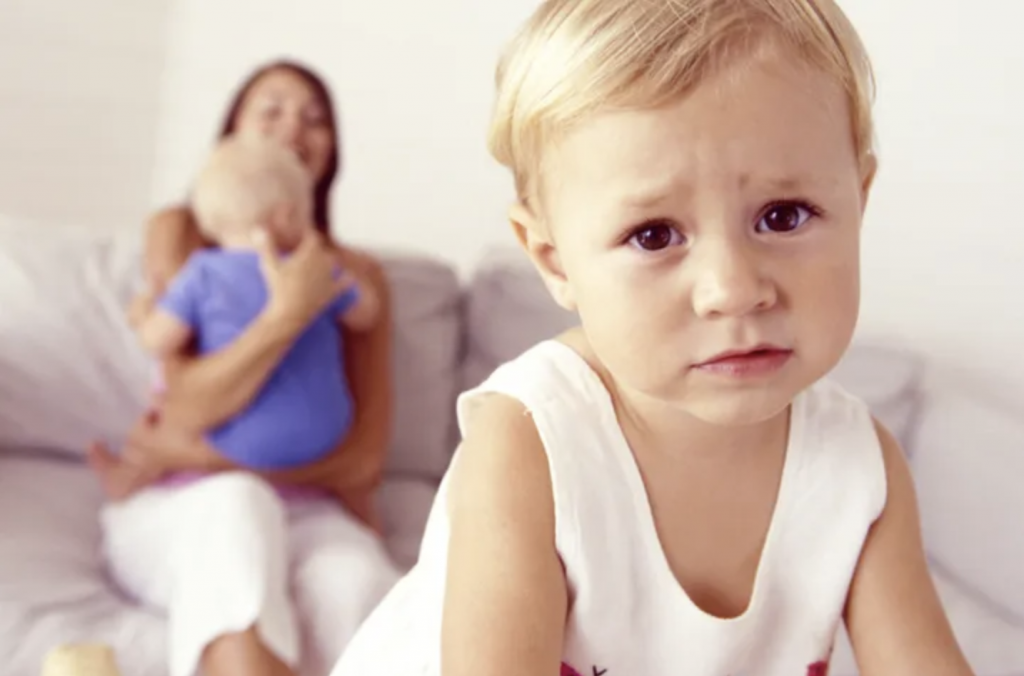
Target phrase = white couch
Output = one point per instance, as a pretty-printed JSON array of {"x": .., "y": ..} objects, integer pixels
[{"x": 70, "y": 371}]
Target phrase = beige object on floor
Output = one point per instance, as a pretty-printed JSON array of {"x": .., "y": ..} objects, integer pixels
[{"x": 83, "y": 659}]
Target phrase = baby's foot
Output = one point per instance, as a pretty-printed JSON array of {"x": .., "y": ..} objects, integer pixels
[
  {"x": 81, "y": 660},
  {"x": 118, "y": 478}
]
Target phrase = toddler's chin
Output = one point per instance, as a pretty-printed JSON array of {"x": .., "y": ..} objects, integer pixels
[
  {"x": 739, "y": 404},
  {"x": 739, "y": 409}
]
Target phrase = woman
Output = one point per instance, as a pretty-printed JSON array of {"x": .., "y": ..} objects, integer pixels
[{"x": 238, "y": 568}]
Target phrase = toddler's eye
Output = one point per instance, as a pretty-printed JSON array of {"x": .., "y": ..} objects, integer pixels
[
  {"x": 784, "y": 217},
  {"x": 655, "y": 237}
]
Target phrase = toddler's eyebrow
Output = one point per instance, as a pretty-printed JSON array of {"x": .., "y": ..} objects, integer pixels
[
  {"x": 779, "y": 183},
  {"x": 651, "y": 196},
  {"x": 648, "y": 196}
]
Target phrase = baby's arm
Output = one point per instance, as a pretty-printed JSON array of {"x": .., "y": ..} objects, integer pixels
[
  {"x": 896, "y": 622},
  {"x": 167, "y": 323},
  {"x": 140, "y": 307},
  {"x": 506, "y": 599},
  {"x": 164, "y": 334}
]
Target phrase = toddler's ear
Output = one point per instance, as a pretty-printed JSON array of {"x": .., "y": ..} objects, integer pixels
[{"x": 536, "y": 240}]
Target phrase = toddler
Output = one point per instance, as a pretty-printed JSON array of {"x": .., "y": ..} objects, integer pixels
[{"x": 673, "y": 488}]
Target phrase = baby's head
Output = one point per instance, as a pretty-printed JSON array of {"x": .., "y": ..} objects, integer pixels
[
  {"x": 249, "y": 184},
  {"x": 691, "y": 178}
]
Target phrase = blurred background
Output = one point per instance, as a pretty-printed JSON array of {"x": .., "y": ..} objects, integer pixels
[{"x": 107, "y": 106}]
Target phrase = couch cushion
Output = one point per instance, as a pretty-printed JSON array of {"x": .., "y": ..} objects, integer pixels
[
  {"x": 508, "y": 309},
  {"x": 427, "y": 336},
  {"x": 968, "y": 468},
  {"x": 70, "y": 368},
  {"x": 889, "y": 380},
  {"x": 404, "y": 506},
  {"x": 54, "y": 587}
]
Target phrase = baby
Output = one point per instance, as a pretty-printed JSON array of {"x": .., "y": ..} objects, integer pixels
[
  {"x": 673, "y": 488},
  {"x": 253, "y": 190}
]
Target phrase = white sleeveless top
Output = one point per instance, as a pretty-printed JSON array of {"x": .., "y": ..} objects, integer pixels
[{"x": 628, "y": 615}]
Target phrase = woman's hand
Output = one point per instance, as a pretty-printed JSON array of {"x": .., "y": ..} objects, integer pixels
[{"x": 301, "y": 285}]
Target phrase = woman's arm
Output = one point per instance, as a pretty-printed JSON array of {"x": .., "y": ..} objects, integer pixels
[
  {"x": 895, "y": 620},
  {"x": 358, "y": 461},
  {"x": 203, "y": 392}
]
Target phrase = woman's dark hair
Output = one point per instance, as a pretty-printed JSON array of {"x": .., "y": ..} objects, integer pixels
[{"x": 322, "y": 190}]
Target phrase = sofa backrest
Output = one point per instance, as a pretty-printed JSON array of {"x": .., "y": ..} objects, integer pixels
[
  {"x": 70, "y": 368},
  {"x": 968, "y": 466},
  {"x": 71, "y": 371}
]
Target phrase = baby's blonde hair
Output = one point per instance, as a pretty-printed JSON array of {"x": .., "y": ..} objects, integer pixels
[
  {"x": 574, "y": 58},
  {"x": 244, "y": 180}
]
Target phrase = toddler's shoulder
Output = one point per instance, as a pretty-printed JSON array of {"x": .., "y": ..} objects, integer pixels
[
  {"x": 499, "y": 416},
  {"x": 840, "y": 431},
  {"x": 500, "y": 468}
]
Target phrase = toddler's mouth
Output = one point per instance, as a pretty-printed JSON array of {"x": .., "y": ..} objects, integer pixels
[{"x": 756, "y": 361}]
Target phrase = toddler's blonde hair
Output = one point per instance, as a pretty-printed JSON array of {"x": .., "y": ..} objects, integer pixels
[
  {"x": 244, "y": 180},
  {"x": 577, "y": 57}
]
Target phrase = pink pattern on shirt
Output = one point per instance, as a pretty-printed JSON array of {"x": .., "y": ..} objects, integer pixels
[{"x": 818, "y": 669}]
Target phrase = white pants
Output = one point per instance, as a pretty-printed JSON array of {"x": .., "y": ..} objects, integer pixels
[{"x": 227, "y": 553}]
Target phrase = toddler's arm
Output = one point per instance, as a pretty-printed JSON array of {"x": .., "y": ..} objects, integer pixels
[
  {"x": 895, "y": 619},
  {"x": 164, "y": 334},
  {"x": 505, "y": 599},
  {"x": 166, "y": 325},
  {"x": 140, "y": 307}
]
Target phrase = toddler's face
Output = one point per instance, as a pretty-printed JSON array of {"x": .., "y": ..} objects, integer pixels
[{"x": 726, "y": 222}]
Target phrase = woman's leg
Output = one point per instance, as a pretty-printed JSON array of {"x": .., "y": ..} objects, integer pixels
[
  {"x": 214, "y": 554},
  {"x": 340, "y": 572}
]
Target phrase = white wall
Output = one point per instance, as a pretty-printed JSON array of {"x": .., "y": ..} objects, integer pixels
[
  {"x": 943, "y": 248},
  {"x": 414, "y": 82},
  {"x": 413, "y": 88},
  {"x": 79, "y": 86}
]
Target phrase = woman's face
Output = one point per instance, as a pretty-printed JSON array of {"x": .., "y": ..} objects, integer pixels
[{"x": 282, "y": 106}]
